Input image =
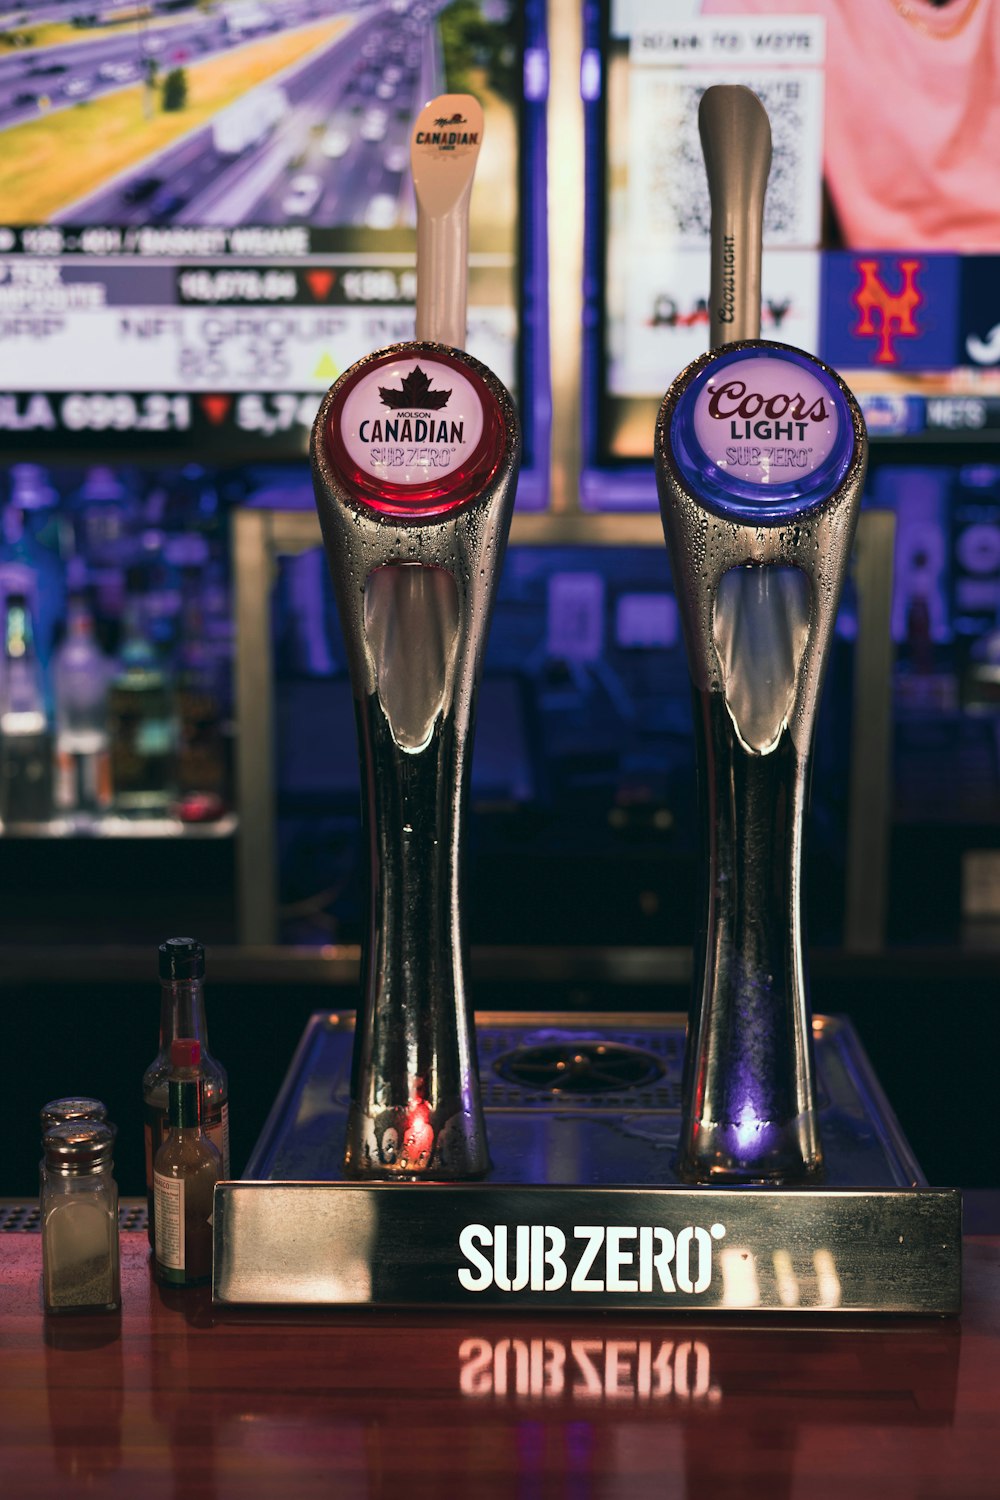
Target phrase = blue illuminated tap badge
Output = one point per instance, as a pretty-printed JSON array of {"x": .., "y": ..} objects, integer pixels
[{"x": 762, "y": 433}]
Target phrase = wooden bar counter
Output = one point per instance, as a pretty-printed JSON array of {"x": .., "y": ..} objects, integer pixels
[{"x": 175, "y": 1399}]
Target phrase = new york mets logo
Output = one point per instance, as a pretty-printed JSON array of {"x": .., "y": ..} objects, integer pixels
[{"x": 894, "y": 310}]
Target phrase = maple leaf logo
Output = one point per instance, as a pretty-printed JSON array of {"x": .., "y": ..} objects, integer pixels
[{"x": 415, "y": 391}]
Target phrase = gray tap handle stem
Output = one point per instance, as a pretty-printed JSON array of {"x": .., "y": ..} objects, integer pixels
[{"x": 736, "y": 142}]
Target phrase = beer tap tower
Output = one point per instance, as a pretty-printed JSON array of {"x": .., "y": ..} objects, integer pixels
[
  {"x": 760, "y": 462},
  {"x": 415, "y": 455},
  {"x": 574, "y": 1165}
]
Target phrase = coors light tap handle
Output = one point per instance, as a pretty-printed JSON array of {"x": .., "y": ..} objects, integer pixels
[
  {"x": 760, "y": 457},
  {"x": 736, "y": 144},
  {"x": 415, "y": 454}
]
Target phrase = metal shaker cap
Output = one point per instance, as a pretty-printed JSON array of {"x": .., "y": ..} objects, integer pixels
[
  {"x": 79, "y": 1148},
  {"x": 182, "y": 958},
  {"x": 62, "y": 1111}
]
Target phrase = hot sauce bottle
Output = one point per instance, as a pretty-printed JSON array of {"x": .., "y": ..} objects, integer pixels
[
  {"x": 185, "y": 1171},
  {"x": 182, "y": 1014}
]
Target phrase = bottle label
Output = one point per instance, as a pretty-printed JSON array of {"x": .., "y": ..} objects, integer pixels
[
  {"x": 65, "y": 787},
  {"x": 168, "y": 1198},
  {"x": 154, "y": 1130},
  {"x": 83, "y": 781},
  {"x": 218, "y": 1133},
  {"x": 215, "y": 1125},
  {"x": 452, "y": 137}
]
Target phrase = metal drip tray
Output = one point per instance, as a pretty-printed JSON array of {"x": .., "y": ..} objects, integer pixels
[
  {"x": 594, "y": 1071},
  {"x": 583, "y": 1121},
  {"x": 581, "y": 1099}
]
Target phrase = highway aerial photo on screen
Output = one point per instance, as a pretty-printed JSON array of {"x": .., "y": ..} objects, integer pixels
[{"x": 229, "y": 112}]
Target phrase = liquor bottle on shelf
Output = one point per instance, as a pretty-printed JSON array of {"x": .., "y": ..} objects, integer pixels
[
  {"x": 161, "y": 588},
  {"x": 182, "y": 1014},
  {"x": 25, "y": 737},
  {"x": 81, "y": 676},
  {"x": 217, "y": 622},
  {"x": 103, "y": 515},
  {"x": 142, "y": 723},
  {"x": 201, "y": 757},
  {"x": 29, "y": 553},
  {"x": 185, "y": 1171}
]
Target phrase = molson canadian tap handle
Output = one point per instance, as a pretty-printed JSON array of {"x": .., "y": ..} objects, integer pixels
[
  {"x": 444, "y": 149},
  {"x": 760, "y": 456},
  {"x": 415, "y": 455}
]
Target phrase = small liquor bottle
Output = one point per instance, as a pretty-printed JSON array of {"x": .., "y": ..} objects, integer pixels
[
  {"x": 182, "y": 1014},
  {"x": 185, "y": 1172},
  {"x": 141, "y": 721},
  {"x": 80, "y": 678},
  {"x": 25, "y": 738},
  {"x": 29, "y": 552},
  {"x": 201, "y": 752}
]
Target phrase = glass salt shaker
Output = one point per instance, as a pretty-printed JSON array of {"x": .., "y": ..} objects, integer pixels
[
  {"x": 69, "y": 1111},
  {"x": 79, "y": 1212}
]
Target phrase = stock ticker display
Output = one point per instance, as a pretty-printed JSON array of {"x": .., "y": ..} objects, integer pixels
[{"x": 206, "y": 211}]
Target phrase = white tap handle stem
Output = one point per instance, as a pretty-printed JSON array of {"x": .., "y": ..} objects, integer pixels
[{"x": 444, "y": 149}]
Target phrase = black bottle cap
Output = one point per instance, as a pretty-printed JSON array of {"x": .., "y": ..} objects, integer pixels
[{"x": 182, "y": 958}]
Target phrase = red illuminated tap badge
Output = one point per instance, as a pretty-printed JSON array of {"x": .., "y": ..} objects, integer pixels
[{"x": 414, "y": 432}]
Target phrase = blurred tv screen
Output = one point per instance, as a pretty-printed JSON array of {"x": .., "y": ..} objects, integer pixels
[
  {"x": 208, "y": 210},
  {"x": 881, "y": 221}
]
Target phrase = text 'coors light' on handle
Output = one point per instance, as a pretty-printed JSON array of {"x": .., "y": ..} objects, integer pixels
[{"x": 736, "y": 142}]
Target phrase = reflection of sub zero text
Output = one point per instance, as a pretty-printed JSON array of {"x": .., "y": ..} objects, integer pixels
[{"x": 588, "y": 1369}]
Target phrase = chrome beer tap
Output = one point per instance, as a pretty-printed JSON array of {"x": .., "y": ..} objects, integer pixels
[
  {"x": 415, "y": 455},
  {"x": 760, "y": 458}
]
